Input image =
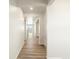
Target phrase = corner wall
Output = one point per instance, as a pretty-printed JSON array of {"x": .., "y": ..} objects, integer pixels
[
  {"x": 16, "y": 25},
  {"x": 43, "y": 34},
  {"x": 58, "y": 29}
]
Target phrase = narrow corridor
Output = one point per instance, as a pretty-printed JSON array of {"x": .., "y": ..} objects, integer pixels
[
  {"x": 39, "y": 29},
  {"x": 31, "y": 50}
]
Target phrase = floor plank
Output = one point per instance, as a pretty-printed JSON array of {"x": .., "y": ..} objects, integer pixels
[{"x": 32, "y": 50}]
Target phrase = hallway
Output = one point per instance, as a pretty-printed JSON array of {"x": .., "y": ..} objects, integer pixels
[
  {"x": 31, "y": 50},
  {"x": 39, "y": 29}
]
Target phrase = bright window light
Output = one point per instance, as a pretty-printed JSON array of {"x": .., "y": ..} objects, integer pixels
[{"x": 30, "y": 20}]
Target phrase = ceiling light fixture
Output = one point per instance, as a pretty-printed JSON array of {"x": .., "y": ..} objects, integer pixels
[{"x": 31, "y": 8}]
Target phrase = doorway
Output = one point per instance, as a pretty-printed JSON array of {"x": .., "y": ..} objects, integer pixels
[{"x": 29, "y": 27}]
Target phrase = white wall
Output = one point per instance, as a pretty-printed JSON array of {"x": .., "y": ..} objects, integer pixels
[
  {"x": 43, "y": 34},
  {"x": 58, "y": 29},
  {"x": 16, "y": 31},
  {"x": 43, "y": 29}
]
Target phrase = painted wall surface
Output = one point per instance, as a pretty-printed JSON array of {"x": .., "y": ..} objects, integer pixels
[
  {"x": 16, "y": 22},
  {"x": 43, "y": 34},
  {"x": 58, "y": 29},
  {"x": 43, "y": 29}
]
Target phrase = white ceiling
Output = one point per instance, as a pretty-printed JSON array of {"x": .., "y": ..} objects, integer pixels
[{"x": 38, "y": 5}]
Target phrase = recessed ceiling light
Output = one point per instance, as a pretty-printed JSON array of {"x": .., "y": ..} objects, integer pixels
[{"x": 31, "y": 8}]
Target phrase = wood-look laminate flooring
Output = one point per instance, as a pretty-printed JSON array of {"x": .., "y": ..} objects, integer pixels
[{"x": 32, "y": 50}]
